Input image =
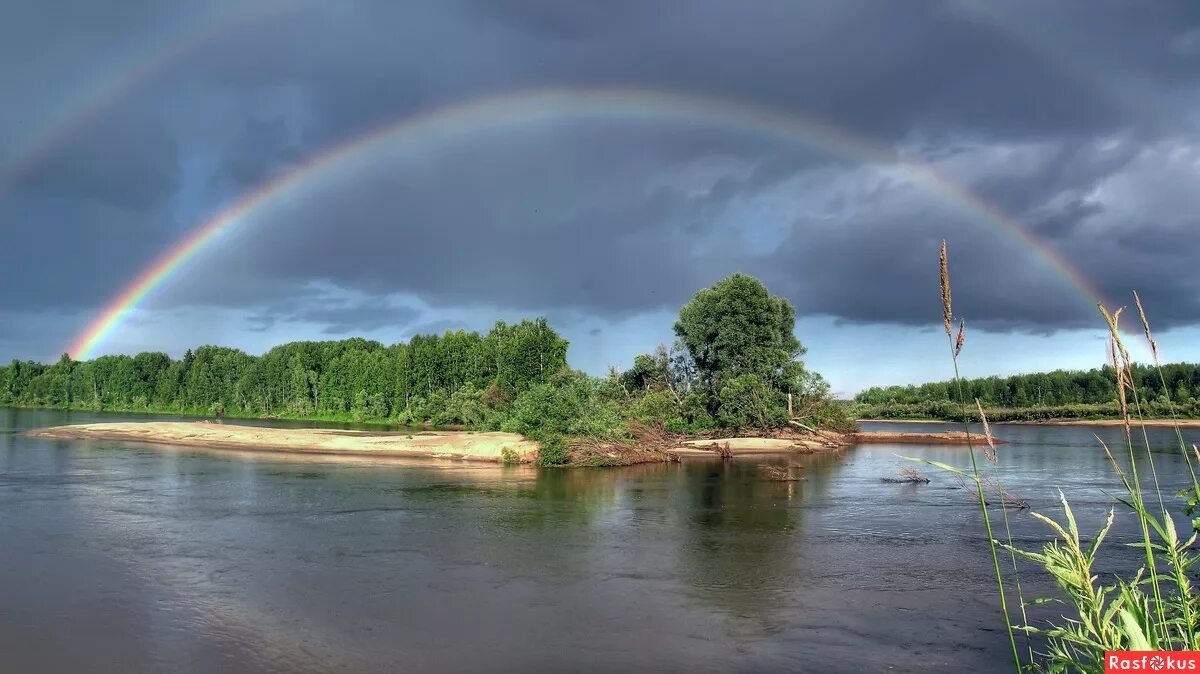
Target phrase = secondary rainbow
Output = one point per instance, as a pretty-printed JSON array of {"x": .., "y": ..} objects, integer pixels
[
  {"x": 438, "y": 126},
  {"x": 100, "y": 93}
]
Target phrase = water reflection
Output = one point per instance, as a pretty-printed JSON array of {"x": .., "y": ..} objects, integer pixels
[
  {"x": 154, "y": 558},
  {"x": 740, "y": 553}
]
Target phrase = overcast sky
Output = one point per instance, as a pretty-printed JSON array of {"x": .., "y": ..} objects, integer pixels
[{"x": 127, "y": 124}]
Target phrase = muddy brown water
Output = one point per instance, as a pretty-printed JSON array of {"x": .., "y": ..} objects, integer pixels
[{"x": 120, "y": 557}]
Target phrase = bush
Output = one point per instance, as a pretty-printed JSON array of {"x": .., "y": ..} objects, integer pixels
[
  {"x": 553, "y": 451},
  {"x": 465, "y": 406},
  {"x": 747, "y": 401},
  {"x": 542, "y": 412},
  {"x": 496, "y": 397},
  {"x": 657, "y": 408},
  {"x": 678, "y": 425},
  {"x": 578, "y": 409}
]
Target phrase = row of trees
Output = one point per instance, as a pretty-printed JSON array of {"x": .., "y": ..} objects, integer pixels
[
  {"x": 355, "y": 377},
  {"x": 735, "y": 364},
  {"x": 1087, "y": 392}
]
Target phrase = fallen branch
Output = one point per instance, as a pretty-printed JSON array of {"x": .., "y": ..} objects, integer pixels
[
  {"x": 779, "y": 473},
  {"x": 1007, "y": 500},
  {"x": 821, "y": 434},
  {"x": 907, "y": 475}
]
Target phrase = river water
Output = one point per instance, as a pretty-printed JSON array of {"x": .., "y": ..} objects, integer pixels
[{"x": 118, "y": 557}]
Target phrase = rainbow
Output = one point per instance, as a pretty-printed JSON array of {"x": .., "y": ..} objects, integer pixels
[
  {"x": 440, "y": 125},
  {"x": 123, "y": 79}
]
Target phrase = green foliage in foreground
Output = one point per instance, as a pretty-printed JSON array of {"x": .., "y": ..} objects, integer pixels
[
  {"x": 1158, "y": 607},
  {"x": 514, "y": 378}
]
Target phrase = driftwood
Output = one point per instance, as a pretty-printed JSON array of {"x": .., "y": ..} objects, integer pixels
[
  {"x": 779, "y": 473},
  {"x": 820, "y": 434},
  {"x": 1007, "y": 500},
  {"x": 907, "y": 475}
]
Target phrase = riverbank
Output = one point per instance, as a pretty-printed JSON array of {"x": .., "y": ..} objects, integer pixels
[
  {"x": 1159, "y": 422},
  {"x": 492, "y": 447},
  {"x": 904, "y": 438},
  {"x": 905, "y": 421},
  {"x": 462, "y": 445},
  {"x": 1167, "y": 423}
]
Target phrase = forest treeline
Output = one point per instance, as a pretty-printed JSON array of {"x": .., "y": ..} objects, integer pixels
[
  {"x": 352, "y": 378},
  {"x": 1043, "y": 395},
  {"x": 733, "y": 365}
]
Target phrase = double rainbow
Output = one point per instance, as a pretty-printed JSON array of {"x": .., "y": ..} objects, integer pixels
[
  {"x": 436, "y": 127},
  {"x": 122, "y": 78}
]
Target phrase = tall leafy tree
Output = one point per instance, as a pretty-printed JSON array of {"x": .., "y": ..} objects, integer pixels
[{"x": 737, "y": 328}]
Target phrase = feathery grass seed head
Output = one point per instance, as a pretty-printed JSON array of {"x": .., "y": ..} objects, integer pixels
[
  {"x": 1146, "y": 325},
  {"x": 944, "y": 279}
]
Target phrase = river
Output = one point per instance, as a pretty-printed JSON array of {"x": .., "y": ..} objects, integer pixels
[{"x": 120, "y": 557}]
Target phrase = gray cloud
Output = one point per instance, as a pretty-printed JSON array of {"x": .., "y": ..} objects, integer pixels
[
  {"x": 1078, "y": 124},
  {"x": 338, "y": 314}
]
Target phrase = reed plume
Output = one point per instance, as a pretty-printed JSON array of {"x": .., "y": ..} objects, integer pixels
[
  {"x": 990, "y": 452},
  {"x": 1146, "y": 325},
  {"x": 944, "y": 279}
]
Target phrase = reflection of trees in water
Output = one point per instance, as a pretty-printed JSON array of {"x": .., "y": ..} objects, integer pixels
[
  {"x": 540, "y": 525},
  {"x": 739, "y": 551}
]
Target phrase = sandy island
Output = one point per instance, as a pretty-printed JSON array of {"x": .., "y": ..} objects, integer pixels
[
  {"x": 429, "y": 444},
  {"x": 465, "y": 445},
  {"x": 906, "y": 421},
  {"x": 942, "y": 438}
]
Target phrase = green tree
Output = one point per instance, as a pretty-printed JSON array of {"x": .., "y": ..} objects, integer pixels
[
  {"x": 736, "y": 327},
  {"x": 739, "y": 336}
]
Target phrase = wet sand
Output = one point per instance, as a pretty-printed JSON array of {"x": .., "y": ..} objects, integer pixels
[
  {"x": 428, "y": 444},
  {"x": 906, "y": 421},
  {"x": 459, "y": 445},
  {"x": 896, "y": 437}
]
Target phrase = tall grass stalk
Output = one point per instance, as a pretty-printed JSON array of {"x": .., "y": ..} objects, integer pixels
[
  {"x": 1170, "y": 405},
  {"x": 956, "y": 347},
  {"x": 1122, "y": 366},
  {"x": 1122, "y": 613}
]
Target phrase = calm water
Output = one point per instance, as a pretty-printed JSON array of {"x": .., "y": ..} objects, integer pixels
[{"x": 118, "y": 557}]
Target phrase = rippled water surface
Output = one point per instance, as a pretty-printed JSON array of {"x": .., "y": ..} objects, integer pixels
[{"x": 119, "y": 557}]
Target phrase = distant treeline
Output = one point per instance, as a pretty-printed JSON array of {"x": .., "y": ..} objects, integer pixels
[
  {"x": 356, "y": 377},
  {"x": 1044, "y": 395}
]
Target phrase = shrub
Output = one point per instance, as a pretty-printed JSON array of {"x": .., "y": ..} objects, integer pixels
[
  {"x": 553, "y": 451},
  {"x": 747, "y": 401},
  {"x": 496, "y": 397},
  {"x": 657, "y": 408},
  {"x": 678, "y": 425},
  {"x": 541, "y": 412},
  {"x": 578, "y": 409},
  {"x": 465, "y": 406}
]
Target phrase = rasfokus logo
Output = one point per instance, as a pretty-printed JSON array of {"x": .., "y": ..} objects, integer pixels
[{"x": 1151, "y": 661}]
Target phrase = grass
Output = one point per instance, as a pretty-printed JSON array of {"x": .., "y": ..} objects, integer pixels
[{"x": 1156, "y": 608}]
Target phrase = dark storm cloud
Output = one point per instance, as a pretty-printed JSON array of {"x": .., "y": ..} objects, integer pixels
[
  {"x": 1060, "y": 115},
  {"x": 128, "y": 161},
  {"x": 262, "y": 147},
  {"x": 339, "y": 316}
]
